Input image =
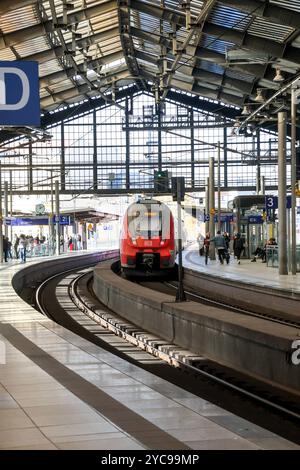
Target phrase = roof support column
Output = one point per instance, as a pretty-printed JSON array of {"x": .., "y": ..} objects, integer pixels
[
  {"x": 192, "y": 148},
  {"x": 294, "y": 179},
  {"x": 282, "y": 241},
  {"x": 30, "y": 179},
  {"x": 127, "y": 131},
  {"x": 225, "y": 158},
  {"x": 212, "y": 252},
  {"x": 62, "y": 159},
  {"x": 159, "y": 142},
  {"x": 95, "y": 158}
]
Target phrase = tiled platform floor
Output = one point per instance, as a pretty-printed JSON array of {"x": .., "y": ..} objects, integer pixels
[
  {"x": 253, "y": 273},
  {"x": 57, "y": 391}
]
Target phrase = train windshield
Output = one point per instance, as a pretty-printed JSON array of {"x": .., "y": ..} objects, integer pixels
[{"x": 145, "y": 220}]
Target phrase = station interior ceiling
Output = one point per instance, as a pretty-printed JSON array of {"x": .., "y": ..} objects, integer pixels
[{"x": 166, "y": 75}]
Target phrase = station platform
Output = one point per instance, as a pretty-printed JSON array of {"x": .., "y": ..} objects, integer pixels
[
  {"x": 46, "y": 370},
  {"x": 257, "y": 274}
]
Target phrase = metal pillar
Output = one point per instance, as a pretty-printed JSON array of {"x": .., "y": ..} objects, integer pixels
[
  {"x": 212, "y": 253},
  {"x": 95, "y": 158},
  {"x": 11, "y": 203},
  {"x": 225, "y": 158},
  {"x": 6, "y": 206},
  {"x": 57, "y": 214},
  {"x": 293, "y": 181},
  {"x": 127, "y": 132},
  {"x": 207, "y": 205},
  {"x": 30, "y": 176},
  {"x": 282, "y": 242},
  {"x": 262, "y": 185},
  {"x": 258, "y": 168},
  {"x": 219, "y": 186},
  {"x": 159, "y": 139},
  {"x": 1, "y": 227},
  {"x": 62, "y": 159},
  {"x": 192, "y": 149},
  {"x": 180, "y": 294}
]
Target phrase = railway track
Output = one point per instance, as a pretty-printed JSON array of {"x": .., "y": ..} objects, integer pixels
[
  {"x": 233, "y": 308},
  {"x": 131, "y": 341}
]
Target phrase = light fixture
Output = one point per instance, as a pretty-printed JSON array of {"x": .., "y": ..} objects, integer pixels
[
  {"x": 278, "y": 77},
  {"x": 259, "y": 97},
  {"x": 246, "y": 111}
]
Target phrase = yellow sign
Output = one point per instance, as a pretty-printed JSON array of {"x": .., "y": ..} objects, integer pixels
[
  {"x": 212, "y": 211},
  {"x": 90, "y": 227}
]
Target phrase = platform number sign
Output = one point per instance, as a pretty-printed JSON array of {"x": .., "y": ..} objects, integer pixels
[{"x": 271, "y": 203}]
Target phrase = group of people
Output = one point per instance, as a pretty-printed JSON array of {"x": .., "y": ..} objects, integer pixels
[
  {"x": 26, "y": 244},
  {"x": 19, "y": 246},
  {"x": 221, "y": 243}
]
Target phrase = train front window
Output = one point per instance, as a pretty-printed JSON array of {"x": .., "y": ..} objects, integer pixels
[{"x": 145, "y": 221}]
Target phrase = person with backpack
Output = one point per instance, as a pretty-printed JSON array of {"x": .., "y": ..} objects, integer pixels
[
  {"x": 238, "y": 247},
  {"x": 221, "y": 248}
]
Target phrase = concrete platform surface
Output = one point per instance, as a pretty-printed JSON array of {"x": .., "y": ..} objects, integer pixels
[
  {"x": 250, "y": 273},
  {"x": 58, "y": 391}
]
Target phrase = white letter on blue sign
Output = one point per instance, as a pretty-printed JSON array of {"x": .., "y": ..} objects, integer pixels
[{"x": 26, "y": 91}]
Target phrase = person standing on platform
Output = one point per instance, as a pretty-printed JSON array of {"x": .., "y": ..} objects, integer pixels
[
  {"x": 9, "y": 246},
  {"x": 200, "y": 244},
  {"x": 5, "y": 248},
  {"x": 206, "y": 245},
  {"x": 220, "y": 245},
  {"x": 22, "y": 248},
  {"x": 70, "y": 243},
  {"x": 78, "y": 240},
  {"x": 16, "y": 246},
  {"x": 238, "y": 246}
]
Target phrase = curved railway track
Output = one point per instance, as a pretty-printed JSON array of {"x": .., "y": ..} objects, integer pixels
[{"x": 161, "y": 351}]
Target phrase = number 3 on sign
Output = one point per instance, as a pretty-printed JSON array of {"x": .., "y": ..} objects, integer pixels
[{"x": 270, "y": 202}]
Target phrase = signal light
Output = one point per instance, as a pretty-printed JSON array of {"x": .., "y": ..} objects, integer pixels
[{"x": 161, "y": 181}]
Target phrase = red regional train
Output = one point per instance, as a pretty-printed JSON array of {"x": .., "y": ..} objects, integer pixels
[{"x": 147, "y": 244}]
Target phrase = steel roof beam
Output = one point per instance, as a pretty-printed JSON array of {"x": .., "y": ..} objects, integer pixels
[
  {"x": 9, "y": 5},
  {"x": 59, "y": 51},
  {"x": 238, "y": 84},
  {"x": 274, "y": 13},
  {"x": 223, "y": 80},
  {"x": 245, "y": 39},
  {"x": 48, "y": 80},
  {"x": 277, "y": 14},
  {"x": 72, "y": 92},
  {"x": 15, "y": 37},
  {"x": 202, "y": 53},
  {"x": 208, "y": 77}
]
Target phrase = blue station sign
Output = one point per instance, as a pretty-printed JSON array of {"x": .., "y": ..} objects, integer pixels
[
  {"x": 19, "y": 93},
  {"x": 25, "y": 221},
  {"x": 272, "y": 202}
]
